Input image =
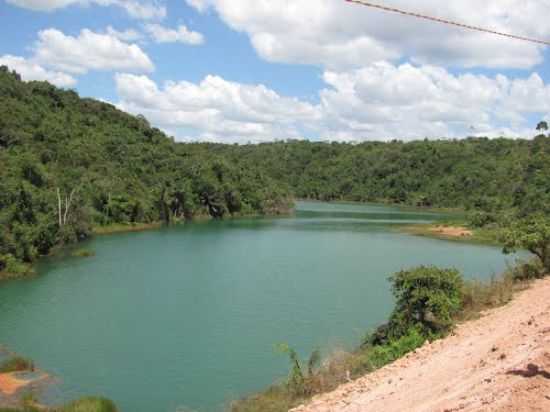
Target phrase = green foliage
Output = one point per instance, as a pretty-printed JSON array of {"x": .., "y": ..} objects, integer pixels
[
  {"x": 531, "y": 233},
  {"x": 380, "y": 355},
  {"x": 81, "y": 405},
  {"x": 83, "y": 253},
  {"x": 480, "y": 219},
  {"x": 427, "y": 299},
  {"x": 542, "y": 126},
  {"x": 16, "y": 364},
  {"x": 70, "y": 164},
  {"x": 300, "y": 384},
  {"x": 23, "y": 409},
  {"x": 89, "y": 405}
]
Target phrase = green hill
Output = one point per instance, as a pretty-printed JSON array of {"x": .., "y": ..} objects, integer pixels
[{"x": 68, "y": 164}]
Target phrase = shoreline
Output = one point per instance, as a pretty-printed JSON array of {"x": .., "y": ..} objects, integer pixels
[
  {"x": 453, "y": 232},
  {"x": 498, "y": 362},
  {"x": 119, "y": 228},
  {"x": 381, "y": 202}
]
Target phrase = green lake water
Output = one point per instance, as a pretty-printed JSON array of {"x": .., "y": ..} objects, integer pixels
[{"x": 186, "y": 318}]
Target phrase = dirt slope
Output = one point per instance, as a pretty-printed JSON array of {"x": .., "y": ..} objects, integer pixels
[{"x": 500, "y": 362}]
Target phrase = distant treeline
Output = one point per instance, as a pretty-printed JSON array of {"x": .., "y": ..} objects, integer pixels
[
  {"x": 491, "y": 175},
  {"x": 68, "y": 164}
]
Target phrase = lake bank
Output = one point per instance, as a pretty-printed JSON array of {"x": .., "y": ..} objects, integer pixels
[
  {"x": 498, "y": 362},
  {"x": 455, "y": 232}
]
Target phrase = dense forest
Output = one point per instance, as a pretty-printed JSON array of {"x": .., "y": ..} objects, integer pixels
[{"x": 68, "y": 164}]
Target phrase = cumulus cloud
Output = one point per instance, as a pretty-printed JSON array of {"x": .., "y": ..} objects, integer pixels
[
  {"x": 182, "y": 34},
  {"x": 33, "y": 71},
  {"x": 387, "y": 101},
  {"x": 135, "y": 8},
  {"x": 127, "y": 35},
  {"x": 215, "y": 109},
  {"x": 89, "y": 51},
  {"x": 339, "y": 35},
  {"x": 379, "y": 102}
]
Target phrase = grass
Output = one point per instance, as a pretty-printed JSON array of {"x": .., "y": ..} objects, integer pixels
[
  {"x": 15, "y": 270},
  {"x": 81, "y": 405},
  {"x": 339, "y": 368},
  {"x": 89, "y": 405},
  {"x": 125, "y": 227},
  {"x": 83, "y": 253},
  {"x": 484, "y": 236},
  {"x": 16, "y": 364}
]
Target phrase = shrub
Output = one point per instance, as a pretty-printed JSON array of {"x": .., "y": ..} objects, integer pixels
[
  {"x": 427, "y": 298},
  {"x": 528, "y": 271},
  {"x": 10, "y": 267},
  {"x": 16, "y": 364},
  {"x": 533, "y": 234},
  {"x": 381, "y": 355},
  {"x": 89, "y": 405},
  {"x": 481, "y": 219},
  {"x": 83, "y": 253},
  {"x": 478, "y": 296}
]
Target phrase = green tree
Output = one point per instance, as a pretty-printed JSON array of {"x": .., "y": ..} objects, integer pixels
[
  {"x": 427, "y": 298},
  {"x": 542, "y": 126},
  {"x": 532, "y": 234}
]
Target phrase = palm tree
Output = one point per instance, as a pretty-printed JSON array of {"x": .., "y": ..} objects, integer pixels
[{"x": 542, "y": 126}]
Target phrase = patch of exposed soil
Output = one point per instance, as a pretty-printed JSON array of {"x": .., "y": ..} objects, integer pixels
[{"x": 451, "y": 231}]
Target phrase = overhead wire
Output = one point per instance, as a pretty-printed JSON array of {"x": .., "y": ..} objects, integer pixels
[{"x": 448, "y": 22}]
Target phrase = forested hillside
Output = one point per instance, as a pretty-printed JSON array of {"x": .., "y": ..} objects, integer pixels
[
  {"x": 68, "y": 164},
  {"x": 476, "y": 173}
]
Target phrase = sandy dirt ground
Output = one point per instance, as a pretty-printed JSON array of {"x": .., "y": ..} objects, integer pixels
[
  {"x": 500, "y": 362},
  {"x": 451, "y": 231},
  {"x": 9, "y": 383}
]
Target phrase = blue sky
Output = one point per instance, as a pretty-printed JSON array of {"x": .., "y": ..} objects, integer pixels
[{"x": 257, "y": 70}]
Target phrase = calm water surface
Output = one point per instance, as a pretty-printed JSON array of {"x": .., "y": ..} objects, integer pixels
[{"x": 186, "y": 318}]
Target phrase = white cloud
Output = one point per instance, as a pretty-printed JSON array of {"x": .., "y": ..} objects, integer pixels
[
  {"x": 89, "y": 51},
  {"x": 127, "y": 35},
  {"x": 33, "y": 71},
  {"x": 387, "y": 101},
  {"x": 139, "y": 10},
  {"x": 215, "y": 109},
  {"x": 340, "y": 35},
  {"x": 43, "y": 5},
  {"x": 182, "y": 34},
  {"x": 379, "y": 102},
  {"x": 145, "y": 10}
]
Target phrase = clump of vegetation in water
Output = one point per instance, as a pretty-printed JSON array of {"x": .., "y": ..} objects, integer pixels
[
  {"x": 83, "y": 253},
  {"x": 11, "y": 268},
  {"x": 16, "y": 364},
  {"x": 89, "y": 405},
  {"x": 81, "y": 405}
]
